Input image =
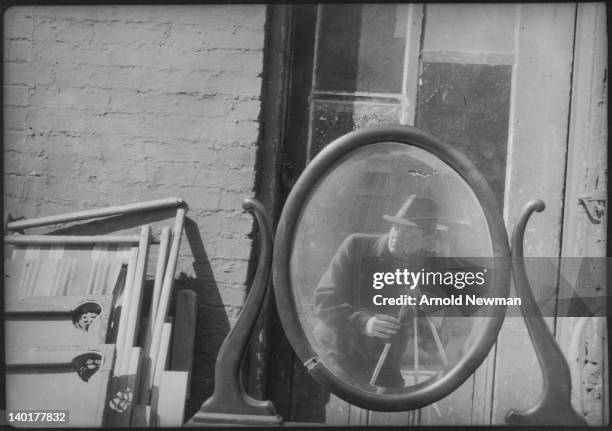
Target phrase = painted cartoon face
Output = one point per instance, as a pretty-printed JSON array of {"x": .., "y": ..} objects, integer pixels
[
  {"x": 86, "y": 320},
  {"x": 404, "y": 240}
]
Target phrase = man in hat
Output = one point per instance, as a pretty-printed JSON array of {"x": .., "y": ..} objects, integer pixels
[{"x": 353, "y": 329}]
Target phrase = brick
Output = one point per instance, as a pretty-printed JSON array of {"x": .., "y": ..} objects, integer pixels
[
  {"x": 202, "y": 38},
  {"x": 236, "y": 224},
  {"x": 217, "y": 16},
  {"x": 71, "y": 98},
  {"x": 236, "y": 157},
  {"x": 230, "y": 60},
  {"x": 66, "y": 76},
  {"x": 133, "y": 78},
  {"x": 245, "y": 110},
  {"x": 40, "y": 74},
  {"x": 77, "y": 13},
  {"x": 14, "y": 118},
  {"x": 69, "y": 54},
  {"x": 126, "y": 34},
  {"x": 240, "y": 132},
  {"x": 17, "y": 25},
  {"x": 232, "y": 83},
  {"x": 16, "y": 73},
  {"x": 17, "y": 12},
  {"x": 22, "y": 162},
  {"x": 12, "y": 138},
  {"x": 15, "y": 95},
  {"x": 190, "y": 104},
  {"x": 229, "y": 248},
  {"x": 17, "y": 50},
  {"x": 231, "y": 200},
  {"x": 75, "y": 34},
  {"x": 231, "y": 271}
]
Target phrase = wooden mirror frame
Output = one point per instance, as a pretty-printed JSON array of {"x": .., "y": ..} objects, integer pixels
[{"x": 448, "y": 380}]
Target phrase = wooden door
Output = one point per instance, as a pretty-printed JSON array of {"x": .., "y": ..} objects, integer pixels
[{"x": 501, "y": 92}]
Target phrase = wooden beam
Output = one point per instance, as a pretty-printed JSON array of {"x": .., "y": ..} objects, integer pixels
[
  {"x": 126, "y": 297},
  {"x": 54, "y": 304},
  {"x": 181, "y": 357},
  {"x": 160, "y": 270},
  {"x": 171, "y": 406},
  {"x": 137, "y": 288},
  {"x": 133, "y": 375},
  {"x": 96, "y": 213},
  {"x": 157, "y": 368},
  {"x": 164, "y": 300},
  {"x": 74, "y": 239}
]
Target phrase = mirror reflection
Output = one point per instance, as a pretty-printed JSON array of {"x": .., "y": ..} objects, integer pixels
[{"x": 385, "y": 224}]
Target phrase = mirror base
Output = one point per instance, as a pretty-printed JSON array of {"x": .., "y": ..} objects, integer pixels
[{"x": 202, "y": 418}]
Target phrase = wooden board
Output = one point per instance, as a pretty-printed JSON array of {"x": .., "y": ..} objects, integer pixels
[
  {"x": 181, "y": 358},
  {"x": 582, "y": 237},
  {"x": 158, "y": 367},
  {"x": 53, "y": 321},
  {"x": 537, "y": 158},
  {"x": 171, "y": 405},
  {"x": 45, "y": 379},
  {"x": 46, "y": 276}
]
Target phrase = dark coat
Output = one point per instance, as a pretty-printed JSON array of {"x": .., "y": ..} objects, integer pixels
[{"x": 343, "y": 302}]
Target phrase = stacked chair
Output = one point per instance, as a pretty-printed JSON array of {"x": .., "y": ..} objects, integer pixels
[{"x": 75, "y": 337}]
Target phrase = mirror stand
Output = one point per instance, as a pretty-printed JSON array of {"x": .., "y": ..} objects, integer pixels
[
  {"x": 554, "y": 406},
  {"x": 229, "y": 403}
]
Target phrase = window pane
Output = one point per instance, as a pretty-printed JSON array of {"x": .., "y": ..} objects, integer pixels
[
  {"x": 470, "y": 27},
  {"x": 361, "y": 48},
  {"x": 468, "y": 105}
]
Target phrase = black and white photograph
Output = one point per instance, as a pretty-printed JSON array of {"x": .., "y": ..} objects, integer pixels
[{"x": 290, "y": 214}]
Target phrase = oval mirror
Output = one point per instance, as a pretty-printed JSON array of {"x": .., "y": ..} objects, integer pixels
[{"x": 382, "y": 218}]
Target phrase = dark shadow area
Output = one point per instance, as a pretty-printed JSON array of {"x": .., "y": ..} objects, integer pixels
[{"x": 212, "y": 325}]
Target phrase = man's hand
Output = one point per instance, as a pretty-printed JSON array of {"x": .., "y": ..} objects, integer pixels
[{"x": 382, "y": 326}]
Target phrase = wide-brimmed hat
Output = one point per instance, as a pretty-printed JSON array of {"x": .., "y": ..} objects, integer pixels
[{"x": 416, "y": 211}]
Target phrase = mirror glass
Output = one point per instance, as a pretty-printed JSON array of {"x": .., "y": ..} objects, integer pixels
[{"x": 382, "y": 215}]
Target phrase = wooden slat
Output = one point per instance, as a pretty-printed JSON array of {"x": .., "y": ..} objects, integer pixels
[
  {"x": 48, "y": 321},
  {"x": 160, "y": 270},
  {"x": 158, "y": 367},
  {"x": 162, "y": 258},
  {"x": 165, "y": 295},
  {"x": 141, "y": 416},
  {"x": 125, "y": 300},
  {"x": 171, "y": 406},
  {"x": 55, "y": 304},
  {"x": 133, "y": 375},
  {"x": 181, "y": 358},
  {"x": 96, "y": 213},
  {"x": 56, "y": 355},
  {"x": 49, "y": 390},
  {"x": 137, "y": 287},
  {"x": 46, "y": 276},
  {"x": 73, "y": 239},
  {"x": 160, "y": 364}
]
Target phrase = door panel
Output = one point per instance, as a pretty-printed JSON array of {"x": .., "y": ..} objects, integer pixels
[
  {"x": 582, "y": 236},
  {"x": 536, "y": 169}
]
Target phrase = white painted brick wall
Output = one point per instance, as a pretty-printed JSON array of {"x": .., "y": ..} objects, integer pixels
[{"x": 106, "y": 105}]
